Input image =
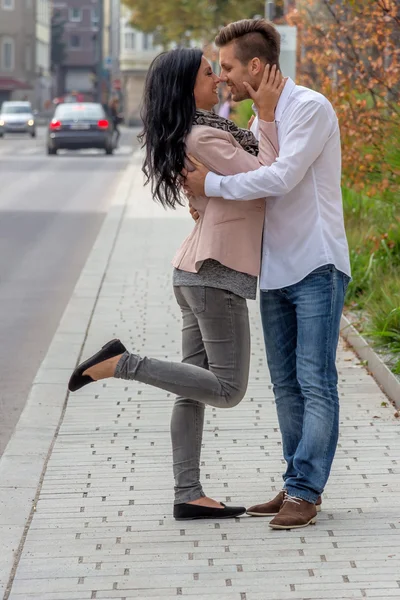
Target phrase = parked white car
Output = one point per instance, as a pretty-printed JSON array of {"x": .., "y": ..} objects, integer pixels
[{"x": 17, "y": 117}]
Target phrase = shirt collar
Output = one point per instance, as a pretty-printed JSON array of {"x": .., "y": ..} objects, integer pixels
[
  {"x": 286, "y": 92},
  {"x": 280, "y": 107}
]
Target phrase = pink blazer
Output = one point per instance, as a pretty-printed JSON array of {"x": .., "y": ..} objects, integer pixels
[{"x": 228, "y": 231}]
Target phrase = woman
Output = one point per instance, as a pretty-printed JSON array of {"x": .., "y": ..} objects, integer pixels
[{"x": 216, "y": 267}]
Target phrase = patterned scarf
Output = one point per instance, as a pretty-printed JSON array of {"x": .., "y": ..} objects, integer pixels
[{"x": 243, "y": 136}]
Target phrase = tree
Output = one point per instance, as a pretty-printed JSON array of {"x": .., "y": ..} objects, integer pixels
[
  {"x": 350, "y": 51},
  {"x": 180, "y": 21}
]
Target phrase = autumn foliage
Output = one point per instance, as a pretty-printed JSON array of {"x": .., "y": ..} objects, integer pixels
[{"x": 350, "y": 51}]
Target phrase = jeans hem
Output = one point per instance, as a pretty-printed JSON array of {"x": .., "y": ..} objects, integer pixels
[
  {"x": 120, "y": 365},
  {"x": 311, "y": 497},
  {"x": 127, "y": 366},
  {"x": 189, "y": 496}
]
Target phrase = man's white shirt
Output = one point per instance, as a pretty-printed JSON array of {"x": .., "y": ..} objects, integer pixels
[{"x": 304, "y": 227}]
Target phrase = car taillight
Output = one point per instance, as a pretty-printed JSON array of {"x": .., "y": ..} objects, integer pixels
[
  {"x": 55, "y": 124},
  {"x": 102, "y": 124}
]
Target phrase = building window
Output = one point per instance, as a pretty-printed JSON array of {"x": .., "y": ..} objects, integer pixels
[
  {"x": 75, "y": 41},
  {"x": 146, "y": 41},
  {"x": 130, "y": 39},
  {"x": 95, "y": 14},
  {"x": 75, "y": 14},
  {"x": 8, "y": 4},
  {"x": 8, "y": 54}
]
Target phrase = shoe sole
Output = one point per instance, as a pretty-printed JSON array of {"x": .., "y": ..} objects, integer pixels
[
  {"x": 216, "y": 518},
  {"x": 310, "y": 522},
  {"x": 256, "y": 514}
]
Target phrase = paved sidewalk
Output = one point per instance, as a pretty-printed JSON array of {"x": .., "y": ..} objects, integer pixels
[{"x": 100, "y": 523}]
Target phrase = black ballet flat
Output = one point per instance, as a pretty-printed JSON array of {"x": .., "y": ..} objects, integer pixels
[
  {"x": 109, "y": 350},
  {"x": 185, "y": 511}
]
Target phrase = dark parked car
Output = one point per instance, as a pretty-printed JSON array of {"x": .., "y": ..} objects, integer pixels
[{"x": 80, "y": 125}]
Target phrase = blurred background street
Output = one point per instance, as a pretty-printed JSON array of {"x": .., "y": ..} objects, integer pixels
[{"x": 51, "y": 209}]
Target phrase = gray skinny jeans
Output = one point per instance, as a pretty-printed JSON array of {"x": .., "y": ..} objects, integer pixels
[{"x": 214, "y": 370}]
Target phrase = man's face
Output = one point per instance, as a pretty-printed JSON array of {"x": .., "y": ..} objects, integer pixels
[{"x": 233, "y": 72}]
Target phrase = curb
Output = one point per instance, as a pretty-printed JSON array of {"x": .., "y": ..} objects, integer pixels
[
  {"x": 388, "y": 382},
  {"x": 24, "y": 462}
]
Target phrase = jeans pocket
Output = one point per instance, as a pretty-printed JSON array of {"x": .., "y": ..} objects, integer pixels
[
  {"x": 346, "y": 281},
  {"x": 196, "y": 298},
  {"x": 324, "y": 269},
  {"x": 238, "y": 303}
]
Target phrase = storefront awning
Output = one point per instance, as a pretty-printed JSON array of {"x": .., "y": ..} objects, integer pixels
[{"x": 9, "y": 84}]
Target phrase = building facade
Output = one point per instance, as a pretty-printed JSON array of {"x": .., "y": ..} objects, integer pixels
[
  {"x": 91, "y": 37},
  {"x": 25, "y": 51},
  {"x": 17, "y": 43},
  {"x": 137, "y": 52},
  {"x": 83, "y": 50}
]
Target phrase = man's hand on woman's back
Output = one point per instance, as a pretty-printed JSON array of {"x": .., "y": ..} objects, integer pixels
[{"x": 194, "y": 213}]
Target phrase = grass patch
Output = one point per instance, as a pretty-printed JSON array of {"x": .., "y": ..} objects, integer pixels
[{"x": 373, "y": 232}]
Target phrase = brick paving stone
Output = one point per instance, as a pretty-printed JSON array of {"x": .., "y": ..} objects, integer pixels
[{"x": 103, "y": 526}]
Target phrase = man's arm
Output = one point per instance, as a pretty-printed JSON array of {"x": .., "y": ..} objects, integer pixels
[
  {"x": 234, "y": 159},
  {"x": 215, "y": 150},
  {"x": 310, "y": 130}
]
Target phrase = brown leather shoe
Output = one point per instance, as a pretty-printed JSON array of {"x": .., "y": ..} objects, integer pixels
[
  {"x": 295, "y": 513},
  {"x": 271, "y": 508}
]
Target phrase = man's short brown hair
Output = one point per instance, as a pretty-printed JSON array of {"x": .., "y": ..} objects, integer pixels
[{"x": 253, "y": 38}]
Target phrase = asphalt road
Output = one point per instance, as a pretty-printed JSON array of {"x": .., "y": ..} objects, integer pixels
[{"x": 51, "y": 209}]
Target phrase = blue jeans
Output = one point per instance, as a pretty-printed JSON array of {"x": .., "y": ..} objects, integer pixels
[{"x": 301, "y": 326}]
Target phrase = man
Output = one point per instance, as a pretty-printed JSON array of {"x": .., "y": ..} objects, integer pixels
[{"x": 305, "y": 264}]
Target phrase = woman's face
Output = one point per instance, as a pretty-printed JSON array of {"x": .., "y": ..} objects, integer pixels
[{"x": 206, "y": 86}]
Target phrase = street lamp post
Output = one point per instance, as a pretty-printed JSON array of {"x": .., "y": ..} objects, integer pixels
[
  {"x": 99, "y": 53},
  {"x": 270, "y": 10},
  {"x": 288, "y": 35}
]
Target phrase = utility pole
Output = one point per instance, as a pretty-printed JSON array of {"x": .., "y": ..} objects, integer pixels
[
  {"x": 99, "y": 44},
  {"x": 288, "y": 33},
  {"x": 270, "y": 10}
]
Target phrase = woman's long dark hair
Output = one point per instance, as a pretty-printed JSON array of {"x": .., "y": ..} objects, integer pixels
[{"x": 168, "y": 111}]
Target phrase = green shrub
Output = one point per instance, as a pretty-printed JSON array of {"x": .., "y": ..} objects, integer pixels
[
  {"x": 373, "y": 233},
  {"x": 242, "y": 112}
]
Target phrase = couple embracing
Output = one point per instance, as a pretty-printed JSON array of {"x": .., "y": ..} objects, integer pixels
[{"x": 267, "y": 203}]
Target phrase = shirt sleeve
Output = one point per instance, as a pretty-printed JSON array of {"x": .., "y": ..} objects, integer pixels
[{"x": 310, "y": 129}]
